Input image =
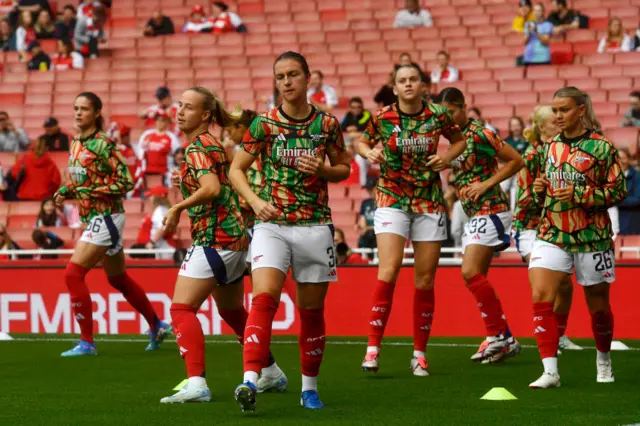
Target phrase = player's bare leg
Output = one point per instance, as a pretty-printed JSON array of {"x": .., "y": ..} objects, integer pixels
[{"x": 390, "y": 254}]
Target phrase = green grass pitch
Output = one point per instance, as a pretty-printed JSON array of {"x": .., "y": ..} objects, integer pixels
[{"x": 123, "y": 386}]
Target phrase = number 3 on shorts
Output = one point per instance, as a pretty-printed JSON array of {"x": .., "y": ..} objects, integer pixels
[{"x": 332, "y": 257}]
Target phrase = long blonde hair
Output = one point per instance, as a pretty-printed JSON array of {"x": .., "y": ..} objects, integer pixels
[
  {"x": 589, "y": 119},
  {"x": 219, "y": 114},
  {"x": 541, "y": 113}
]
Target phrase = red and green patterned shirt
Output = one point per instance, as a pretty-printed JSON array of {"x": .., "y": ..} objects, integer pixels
[
  {"x": 406, "y": 183},
  {"x": 100, "y": 177},
  {"x": 477, "y": 164},
  {"x": 592, "y": 164},
  {"x": 280, "y": 140},
  {"x": 219, "y": 223},
  {"x": 256, "y": 182},
  {"x": 528, "y": 208}
]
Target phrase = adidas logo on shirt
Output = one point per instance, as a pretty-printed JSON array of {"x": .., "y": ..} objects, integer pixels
[
  {"x": 551, "y": 159},
  {"x": 281, "y": 138},
  {"x": 252, "y": 339},
  {"x": 397, "y": 129}
]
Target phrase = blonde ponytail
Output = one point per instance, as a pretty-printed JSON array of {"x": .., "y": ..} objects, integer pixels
[
  {"x": 218, "y": 113},
  {"x": 589, "y": 119},
  {"x": 541, "y": 113}
]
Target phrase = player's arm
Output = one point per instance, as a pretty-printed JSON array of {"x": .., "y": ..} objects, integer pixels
[
  {"x": 525, "y": 198},
  {"x": 365, "y": 147},
  {"x": 456, "y": 140},
  {"x": 612, "y": 191}
]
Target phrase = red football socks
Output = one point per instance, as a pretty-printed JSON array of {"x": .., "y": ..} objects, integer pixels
[
  {"x": 237, "y": 320},
  {"x": 545, "y": 329},
  {"x": 311, "y": 340},
  {"x": 382, "y": 300},
  {"x": 489, "y": 304},
  {"x": 602, "y": 326},
  {"x": 135, "y": 295},
  {"x": 423, "y": 307},
  {"x": 80, "y": 299},
  {"x": 561, "y": 320},
  {"x": 258, "y": 332},
  {"x": 190, "y": 338}
]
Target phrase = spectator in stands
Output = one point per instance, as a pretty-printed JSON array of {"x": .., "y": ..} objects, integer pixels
[
  {"x": 48, "y": 215},
  {"x": 632, "y": 116},
  {"x": 159, "y": 25},
  {"x": 55, "y": 139},
  {"x": 386, "y": 96},
  {"x": 344, "y": 256},
  {"x": 629, "y": 209},
  {"x": 39, "y": 173},
  {"x": 364, "y": 226},
  {"x": 636, "y": 40},
  {"x": 86, "y": 8},
  {"x": 7, "y": 6},
  {"x": 25, "y": 34},
  {"x": 516, "y": 138},
  {"x": 34, "y": 7},
  {"x": 357, "y": 115},
  {"x": 152, "y": 232},
  {"x": 350, "y": 139},
  {"x": 67, "y": 58},
  {"x": 89, "y": 32},
  {"x": 525, "y": 14},
  {"x": 66, "y": 27},
  {"x": 338, "y": 236},
  {"x": 46, "y": 240},
  {"x": 197, "y": 22},
  {"x": 224, "y": 21},
  {"x": 6, "y": 243},
  {"x": 11, "y": 139},
  {"x": 39, "y": 61},
  {"x": 7, "y": 40},
  {"x": 413, "y": 16},
  {"x": 165, "y": 103},
  {"x": 156, "y": 146},
  {"x": 44, "y": 26},
  {"x": 474, "y": 113},
  {"x": 445, "y": 73},
  {"x": 616, "y": 40},
  {"x": 537, "y": 35},
  {"x": 120, "y": 134},
  {"x": 321, "y": 95},
  {"x": 178, "y": 157},
  {"x": 562, "y": 18}
]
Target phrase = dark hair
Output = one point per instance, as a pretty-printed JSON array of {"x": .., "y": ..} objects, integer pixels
[
  {"x": 476, "y": 110},
  {"x": 68, "y": 44},
  {"x": 635, "y": 94},
  {"x": 294, "y": 56},
  {"x": 342, "y": 249},
  {"x": 179, "y": 150},
  {"x": 339, "y": 231},
  {"x": 45, "y": 219},
  {"x": 246, "y": 118},
  {"x": 38, "y": 237},
  {"x": 520, "y": 120},
  {"x": 453, "y": 96},
  {"x": 5, "y": 113},
  {"x": 404, "y": 54},
  {"x": 357, "y": 99},
  {"x": 412, "y": 65},
  {"x": 443, "y": 52},
  {"x": 69, "y": 7},
  {"x": 96, "y": 103}
]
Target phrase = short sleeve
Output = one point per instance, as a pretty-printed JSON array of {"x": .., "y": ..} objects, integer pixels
[
  {"x": 371, "y": 134},
  {"x": 449, "y": 127},
  {"x": 547, "y": 29},
  {"x": 253, "y": 139},
  {"x": 494, "y": 140},
  {"x": 335, "y": 144},
  {"x": 199, "y": 162}
]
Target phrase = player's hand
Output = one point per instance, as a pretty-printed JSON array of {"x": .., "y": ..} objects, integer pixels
[
  {"x": 171, "y": 220},
  {"x": 476, "y": 190},
  {"x": 375, "y": 156},
  {"x": 565, "y": 194},
  {"x": 264, "y": 211},
  {"x": 58, "y": 199},
  {"x": 175, "y": 178},
  {"x": 540, "y": 185},
  {"x": 437, "y": 163},
  {"x": 310, "y": 164}
]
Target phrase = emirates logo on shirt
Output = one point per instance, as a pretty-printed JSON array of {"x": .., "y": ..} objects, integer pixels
[{"x": 290, "y": 156}]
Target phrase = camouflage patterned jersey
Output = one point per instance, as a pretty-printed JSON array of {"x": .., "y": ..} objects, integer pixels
[
  {"x": 217, "y": 224},
  {"x": 280, "y": 140},
  {"x": 256, "y": 181},
  {"x": 100, "y": 177},
  {"x": 528, "y": 208},
  {"x": 478, "y": 163},
  {"x": 592, "y": 164},
  {"x": 406, "y": 183}
]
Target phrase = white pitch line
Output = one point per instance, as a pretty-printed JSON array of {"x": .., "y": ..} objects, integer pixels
[{"x": 274, "y": 342}]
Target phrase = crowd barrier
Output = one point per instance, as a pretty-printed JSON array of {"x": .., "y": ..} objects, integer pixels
[{"x": 35, "y": 300}]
